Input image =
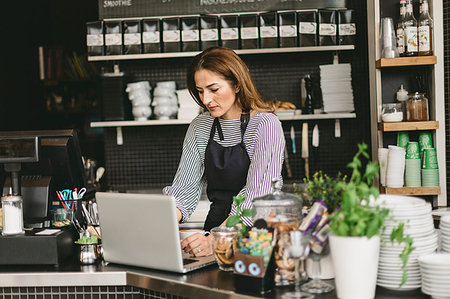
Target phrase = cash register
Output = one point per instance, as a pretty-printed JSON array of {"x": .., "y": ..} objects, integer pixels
[{"x": 36, "y": 164}]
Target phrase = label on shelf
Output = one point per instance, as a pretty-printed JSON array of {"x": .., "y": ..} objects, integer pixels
[
  {"x": 229, "y": 33},
  {"x": 209, "y": 34},
  {"x": 347, "y": 29},
  {"x": 327, "y": 29},
  {"x": 94, "y": 40},
  {"x": 288, "y": 31},
  {"x": 132, "y": 39},
  {"x": 268, "y": 31},
  {"x": 249, "y": 32},
  {"x": 190, "y": 35},
  {"x": 112, "y": 39},
  {"x": 150, "y": 37},
  {"x": 171, "y": 35},
  {"x": 307, "y": 28}
]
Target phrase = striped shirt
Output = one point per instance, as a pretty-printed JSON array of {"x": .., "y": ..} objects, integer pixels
[{"x": 264, "y": 142}]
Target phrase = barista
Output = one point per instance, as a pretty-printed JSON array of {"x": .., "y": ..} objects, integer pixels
[{"x": 235, "y": 147}]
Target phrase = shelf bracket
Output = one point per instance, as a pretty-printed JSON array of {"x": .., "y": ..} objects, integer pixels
[
  {"x": 119, "y": 136},
  {"x": 337, "y": 128}
]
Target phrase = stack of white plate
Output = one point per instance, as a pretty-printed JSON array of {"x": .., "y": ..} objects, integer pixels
[
  {"x": 336, "y": 85},
  {"x": 415, "y": 213},
  {"x": 445, "y": 233},
  {"x": 435, "y": 270}
]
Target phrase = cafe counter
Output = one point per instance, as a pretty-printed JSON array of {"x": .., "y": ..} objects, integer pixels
[{"x": 114, "y": 281}]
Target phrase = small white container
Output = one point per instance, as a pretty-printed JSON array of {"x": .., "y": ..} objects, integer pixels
[{"x": 392, "y": 112}]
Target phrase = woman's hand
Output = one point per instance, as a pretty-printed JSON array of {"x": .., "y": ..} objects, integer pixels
[{"x": 198, "y": 245}]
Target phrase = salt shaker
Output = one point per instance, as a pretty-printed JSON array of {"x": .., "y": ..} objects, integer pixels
[{"x": 12, "y": 207}]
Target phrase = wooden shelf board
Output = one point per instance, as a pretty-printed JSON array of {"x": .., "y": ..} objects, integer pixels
[
  {"x": 406, "y": 61},
  {"x": 242, "y": 51},
  {"x": 408, "y": 126},
  {"x": 412, "y": 190}
]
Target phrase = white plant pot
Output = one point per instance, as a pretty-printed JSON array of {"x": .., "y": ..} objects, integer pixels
[{"x": 355, "y": 261}]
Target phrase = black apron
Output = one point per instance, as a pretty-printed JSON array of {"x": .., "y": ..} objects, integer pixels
[{"x": 226, "y": 173}]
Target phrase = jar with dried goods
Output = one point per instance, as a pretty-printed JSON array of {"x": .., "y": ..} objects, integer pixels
[{"x": 417, "y": 107}]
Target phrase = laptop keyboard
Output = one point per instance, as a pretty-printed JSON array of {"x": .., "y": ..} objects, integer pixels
[{"x": 189, "y": 261}]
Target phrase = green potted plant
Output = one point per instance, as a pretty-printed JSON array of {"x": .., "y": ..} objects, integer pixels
[{"x": 355, "y": 232}]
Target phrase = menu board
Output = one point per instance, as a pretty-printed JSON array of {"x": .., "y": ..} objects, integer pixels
[{"x": 148, "y": 8}]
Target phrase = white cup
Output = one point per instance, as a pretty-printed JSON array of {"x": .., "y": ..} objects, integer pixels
[
  {"x": 167, "y": 84},
  {"x": 138, "y": 85}
]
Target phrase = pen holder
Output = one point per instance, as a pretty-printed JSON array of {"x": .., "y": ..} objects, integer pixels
[{"x": 251, "y": 275}]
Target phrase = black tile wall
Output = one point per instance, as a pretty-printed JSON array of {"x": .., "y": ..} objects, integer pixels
[
  {"x": 446, "y": 5},
  {"x": 149, "y": 155},
  {"x": 86, "y": 292}
]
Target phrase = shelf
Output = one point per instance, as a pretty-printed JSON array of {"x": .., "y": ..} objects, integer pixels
[
  {"x": 412, "y": 190},
  {"x": 134, "y": 123},
  {"x": 406, "y": 61},
  {"x": 243, "y": 51},
  {"x": 408, "y": 126}
]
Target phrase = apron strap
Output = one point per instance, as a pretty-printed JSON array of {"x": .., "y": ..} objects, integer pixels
[
  {"x": 215, "y": 125},
  {"x": 245, "y": 118}
]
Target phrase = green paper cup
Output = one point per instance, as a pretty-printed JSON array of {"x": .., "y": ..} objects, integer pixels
[
  {"x": 425, "y": 141},
  {"x": 412, "y": 150},
  {"x": 402, "y": 139},
  {"x": 429, "y": 160}
]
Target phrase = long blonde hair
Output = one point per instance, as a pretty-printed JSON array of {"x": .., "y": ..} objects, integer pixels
[{"x": 226, "y": 63}]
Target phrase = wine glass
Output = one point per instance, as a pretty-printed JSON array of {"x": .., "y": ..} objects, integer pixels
[
  {"x": 298, "y": 250},
  {"x": 317, "y": 285}
]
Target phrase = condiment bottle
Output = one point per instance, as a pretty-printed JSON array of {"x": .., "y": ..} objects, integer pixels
[
  {"x": 410, "y": 27},
  {"x": 12, "y": 207},
  {"x": 417, "y": 106},
  {"x": 400, "y": 29},
  {"x": 425, "y": 30},
  {"x": 308, "y": 108},
  {"x": 402, "y": 96}
]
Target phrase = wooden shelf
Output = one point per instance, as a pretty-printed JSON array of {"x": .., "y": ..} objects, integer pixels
[
  {"x": 408, "y": 126},
  {"x": 412, "y": 190},
  {"x": 406, "y": 61},
  {"x": 242, "y": 51}
]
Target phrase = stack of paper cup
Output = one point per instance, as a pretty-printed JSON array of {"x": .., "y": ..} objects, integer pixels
[
  {"x": 139, "y": 95},
  {"x": 402, "y": 139},
  {"x": 165, "y": 101},
  {"x": 412, "y": 165},
  {"x": 395, "y": 167},
  {"x": 430, "y": 169},
  {"x": 425, "y": 141},
  {"x": 382, "y": 160}
]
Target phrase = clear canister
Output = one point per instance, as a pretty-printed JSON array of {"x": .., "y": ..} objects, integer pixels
[
  {"x": 417, "y": 107},
  {"x": 282, "y": 212},
  {"x": 12, "y": 209}
]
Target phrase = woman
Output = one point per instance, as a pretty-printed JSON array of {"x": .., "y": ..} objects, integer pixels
[{"x": 235, "y": 147}]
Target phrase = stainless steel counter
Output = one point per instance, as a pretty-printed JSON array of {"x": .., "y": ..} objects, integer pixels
[{"x": 209, "y": 282}]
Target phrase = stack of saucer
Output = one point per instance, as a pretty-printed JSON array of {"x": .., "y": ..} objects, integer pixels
[
  {"x": 336, "y": 85},
  {"x": 395, "y": 167},
  {"x": 412, "y": 165},
  {"x": 415, "y": 213},
  {"x": 435, "y": 270},
  {"x": 444, "y": 225},
  {"x": 430, "y": 170}
]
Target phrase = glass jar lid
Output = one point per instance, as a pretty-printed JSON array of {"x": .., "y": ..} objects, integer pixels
[{"x": 277, "y": 197}]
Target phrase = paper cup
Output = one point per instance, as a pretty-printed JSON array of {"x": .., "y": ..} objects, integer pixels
[
  {"x": 429, "y": 160},
  {"x": 184, "y": 233},
  {"x": 402, "y": 139},
  {"x": 382, "y": 160},
  {"x": 412, "y": 150}
]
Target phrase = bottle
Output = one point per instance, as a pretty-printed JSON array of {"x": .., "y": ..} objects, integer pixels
[
  {"x": 308, "y": 108},
  {"x": 400, "y": 29},
  {"x": 425, "y": 30},
  {"x": 410, "y": 27},
  {"x": 402, "y": 96},
  {"x": 12, "y": 209}
]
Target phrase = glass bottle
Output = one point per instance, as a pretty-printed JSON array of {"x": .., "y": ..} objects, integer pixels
[
  {"x": 12, "y": 208},
  {"x": 417, "y": 105},
  {"x": 400, "y": 29},
  {"x": 410, "y": 27},
  {"x": 425, "y": 30}
]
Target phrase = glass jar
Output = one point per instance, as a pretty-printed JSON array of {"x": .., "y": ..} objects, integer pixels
[
  {"x": 12, "y": 209},
  {"x": 283, "y": 213},
  {"x": 417, "y": 107},
  {"x": 392, "y": 112}
]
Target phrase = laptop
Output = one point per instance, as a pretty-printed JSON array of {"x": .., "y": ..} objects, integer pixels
[{"x": 142, "y": 230}]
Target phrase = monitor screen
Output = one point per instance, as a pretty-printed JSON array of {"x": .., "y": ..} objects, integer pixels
[{"x": 60, "y": 166}]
